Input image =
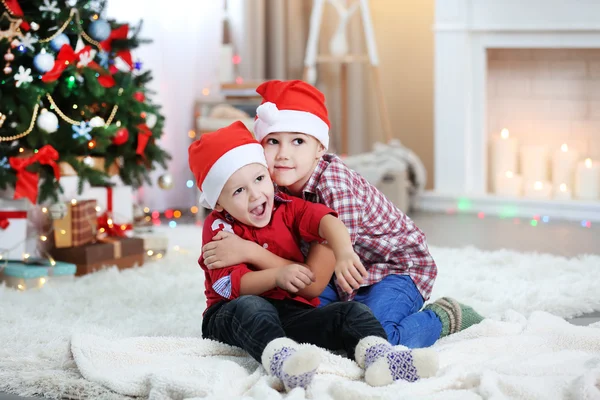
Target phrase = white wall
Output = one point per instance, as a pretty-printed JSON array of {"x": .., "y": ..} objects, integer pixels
[{"x": 183, "y": 58}]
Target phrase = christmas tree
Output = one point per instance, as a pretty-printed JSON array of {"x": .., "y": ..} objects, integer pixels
[{"x": 71, "y": 94}]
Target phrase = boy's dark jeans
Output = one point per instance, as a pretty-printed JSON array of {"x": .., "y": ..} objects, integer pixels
[{"x": 251, "y": 322}]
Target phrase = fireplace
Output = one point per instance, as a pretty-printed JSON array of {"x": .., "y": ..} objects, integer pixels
[{"x": 517, "y": 108}]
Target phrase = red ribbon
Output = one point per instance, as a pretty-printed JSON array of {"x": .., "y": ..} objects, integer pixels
[
  {"x": 144, "y": 134},
  {"x": 120, "y": 34},
  {"x": 15, "y": 9},
  {"x": 27, "y": 182},
  {"x": 111, "y": 229},
  {"x": 67, "y": 56},
  {"x": 6, "y": 215}
]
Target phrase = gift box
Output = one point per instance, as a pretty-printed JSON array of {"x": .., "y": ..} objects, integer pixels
[
  {"x": 31, "y": 275},
  {"x": 13, "y": 229},
  {"x": 155, "y": 244},
  {"x": 78, "y": 226},
  {"x": 121, "y": 252},
  {"x": 117, "y": 200}
]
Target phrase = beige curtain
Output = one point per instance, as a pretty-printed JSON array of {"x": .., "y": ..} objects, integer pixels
[{"x": 271, "y": 37}]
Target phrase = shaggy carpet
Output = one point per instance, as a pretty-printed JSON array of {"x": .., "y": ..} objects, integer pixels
[{"x": 165, "y": 298}]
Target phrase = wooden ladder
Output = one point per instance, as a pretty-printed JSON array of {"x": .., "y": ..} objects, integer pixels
[{"x": 311, "y": 59}]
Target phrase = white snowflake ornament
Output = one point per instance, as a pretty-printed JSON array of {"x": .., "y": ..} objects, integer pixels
[
  {"x": 82, "y": 130},
  {"x": 86, "y": 57},
  {"x": 50, "y": 6},
  {"x": 23, "y": 76},
  {"x": 28, "y": 41}
]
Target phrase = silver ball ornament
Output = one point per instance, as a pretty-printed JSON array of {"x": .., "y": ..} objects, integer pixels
[
  {"x": 99, "y": 29},
  {"x": 166, "y": 182},
  {"x": 43, "y": 62},
  {"x": 58, "y": 42},
  {"x": 47, "y": 121}
]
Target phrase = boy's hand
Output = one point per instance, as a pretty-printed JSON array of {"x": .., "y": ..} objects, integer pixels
[
  {"x": 349, "y": 271},
  {"x": 226, "y": 249},
  {"x": 294, "y": 277}
]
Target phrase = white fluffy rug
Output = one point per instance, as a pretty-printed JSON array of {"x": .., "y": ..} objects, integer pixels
[{"x": 166, "y": 299}]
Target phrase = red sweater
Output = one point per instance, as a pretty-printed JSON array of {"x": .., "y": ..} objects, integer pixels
[{"x": 293, "y": 219}]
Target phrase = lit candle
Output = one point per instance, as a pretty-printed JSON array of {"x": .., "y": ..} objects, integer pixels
[
  {"x": 562, "y": 192},
  {"x": 534, "y": 163},
  {"x": 564, "y": 162},
  {"x": 538, "y": 190},
  {"x": 504, "y": 155},
  {"x": 587, "y": 180},
  {"x": 509, "y": 184}
]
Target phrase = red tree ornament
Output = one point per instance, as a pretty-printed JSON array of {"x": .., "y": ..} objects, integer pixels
[
  {"x": 139, "y": 96},
  {"x": 121, "y": 137}
]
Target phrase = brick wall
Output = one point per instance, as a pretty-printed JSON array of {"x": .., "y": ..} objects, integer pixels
[{"x": 546, "y": 96}]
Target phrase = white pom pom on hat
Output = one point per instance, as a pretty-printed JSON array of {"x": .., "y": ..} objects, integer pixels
[{"x": 292, "y": 106}]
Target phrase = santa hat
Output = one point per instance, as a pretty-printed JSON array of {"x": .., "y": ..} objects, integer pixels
[
  {"x": 291, "y": 106},
  {"x": 217, "y": 155}
]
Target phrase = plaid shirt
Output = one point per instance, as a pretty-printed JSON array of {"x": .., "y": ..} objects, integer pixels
[{"x": 385, "y": 239}]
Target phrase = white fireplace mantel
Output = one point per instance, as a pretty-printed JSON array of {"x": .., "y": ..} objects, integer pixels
[{"x": 464, "y": 30}]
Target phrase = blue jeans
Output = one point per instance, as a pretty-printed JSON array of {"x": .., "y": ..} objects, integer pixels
[{"x": 395, "y": 302}]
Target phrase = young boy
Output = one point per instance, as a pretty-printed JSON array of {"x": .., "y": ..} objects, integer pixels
[
  {"x": 293, "y": 126},
  {"x": 259, "y": 311}
]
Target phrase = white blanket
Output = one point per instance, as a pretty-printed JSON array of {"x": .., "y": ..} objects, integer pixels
[{"x": 543, "y": 357}]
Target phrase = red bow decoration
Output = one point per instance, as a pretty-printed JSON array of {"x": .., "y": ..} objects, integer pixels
[
  {"x": 105, "y": 221},
  {"x": 119, "y": 34},
  {"x": 110, "y": 228},
  {"x": 15, "y": 9},
  {"x": 6, "y": 215},
  {"x": 144, "y": 134},
  {"x": 27, "y": 182},
  {"x": 66, "y": 56}
]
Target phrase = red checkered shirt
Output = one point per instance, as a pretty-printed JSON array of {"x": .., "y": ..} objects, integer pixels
[{"x": 385, "y": 239}]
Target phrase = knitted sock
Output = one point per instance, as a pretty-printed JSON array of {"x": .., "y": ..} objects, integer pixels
[
  {"x": 295, "y": 368},
  {"x": 455, "y": 316},
  {"x": 385, "y": 364}
]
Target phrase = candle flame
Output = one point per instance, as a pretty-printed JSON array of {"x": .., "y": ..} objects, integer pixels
[
  {"x": 564, "y": 147},
  {"x": 563, "y": 187},
  {"x": 538, "y": 185},
  {"x": 509, "y": 174},
  {"x": 504, "y": 133},
  {"x": 588, "y": 162}
]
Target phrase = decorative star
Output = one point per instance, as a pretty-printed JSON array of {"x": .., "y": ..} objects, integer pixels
[
  {"x": 82, "y": 130},
  {"x": 13, "y": 29},
  {"x": 138, "y": 65},
  {"x": 23, "y": 76},
  {"x": 28, "y": 41},
  {"x": 50, "y": 6}
]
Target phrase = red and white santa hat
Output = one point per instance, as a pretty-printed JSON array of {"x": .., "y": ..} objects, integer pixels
[
  {"x": 217, "y": 155},
  {"x": 291, "y": 106}
]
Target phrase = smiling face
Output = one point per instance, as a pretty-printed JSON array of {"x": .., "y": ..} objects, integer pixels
[
  {"x": 292, "y": 158},
  {"x": 248, "y": 196}
]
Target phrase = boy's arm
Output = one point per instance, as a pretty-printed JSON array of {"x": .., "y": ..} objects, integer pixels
[
  {"x": 226, "y": 249},
  {"x": 348, "y": 269}
]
